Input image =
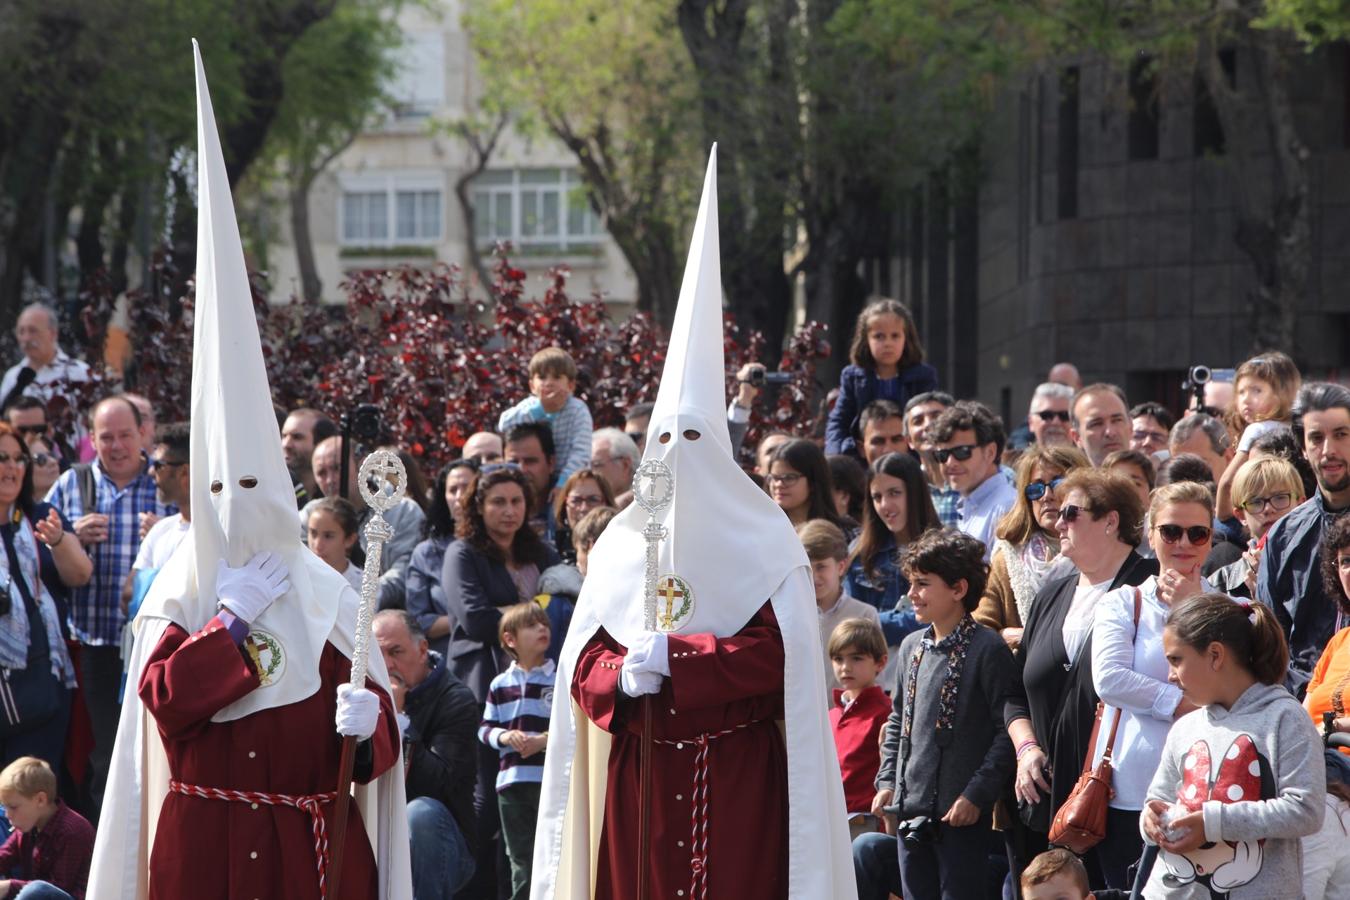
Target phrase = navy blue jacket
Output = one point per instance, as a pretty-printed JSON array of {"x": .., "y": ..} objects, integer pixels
[
  {"x": 1289, "y": 581},
  {"x": 477, "y": 589},
  {"x": 859, "y": 387}
]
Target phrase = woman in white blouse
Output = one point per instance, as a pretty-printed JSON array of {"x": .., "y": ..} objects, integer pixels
[{"x": 1129, "y": 668}]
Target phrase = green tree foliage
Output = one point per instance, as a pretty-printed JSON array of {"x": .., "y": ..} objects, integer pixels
[
  {"x": 611, "y": 82},
  {"x": 97, "y": 123}
]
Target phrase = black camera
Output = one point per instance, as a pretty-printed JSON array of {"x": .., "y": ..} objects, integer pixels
[
  {"x": 1200, "y": 375},
  {"x": 918, "y": 830},
  {"x": 759, "y": 377}
]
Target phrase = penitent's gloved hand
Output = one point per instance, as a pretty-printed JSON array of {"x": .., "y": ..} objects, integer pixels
[
  {"x": 248, "y": 590},
  {"x": 644, "y": 666},
  {"x": 358, "y": 712}
]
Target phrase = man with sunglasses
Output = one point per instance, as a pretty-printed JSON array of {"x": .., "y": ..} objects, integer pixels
[
  {"x": 921, "y": 412},
  {"x": 169, "y": 467},
  {"x": 28, "y": 416},
  {"x": 968, "y": 442},
  {"x": 1290, "y": 576},
  {"x": 1048, "y": 417}
]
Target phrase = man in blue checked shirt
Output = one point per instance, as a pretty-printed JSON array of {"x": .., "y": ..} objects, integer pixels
[{"x": 110, "y": 531}]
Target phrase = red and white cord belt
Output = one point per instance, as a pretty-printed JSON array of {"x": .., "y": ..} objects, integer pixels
[
  {"x": 699, "y": 818},
  {"x": 309, "y": 803}
]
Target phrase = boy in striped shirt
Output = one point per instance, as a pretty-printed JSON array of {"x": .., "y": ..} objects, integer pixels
[{"x": 515, "y": 723}]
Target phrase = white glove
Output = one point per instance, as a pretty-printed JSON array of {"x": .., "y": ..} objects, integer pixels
[
  {"x": 358, "y": 711},
  {"x": 647, "y": 661},
  {"x": 635, "y": 684},
  {"x": 250, "y": 589},
  {"x": 649, "y": 653},
  {"x": 1255, "y": 431}
]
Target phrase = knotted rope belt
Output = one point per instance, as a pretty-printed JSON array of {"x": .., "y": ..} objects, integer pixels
[
  {"x": 309, "y": 803},
  {"x": 699, "y": 817}
]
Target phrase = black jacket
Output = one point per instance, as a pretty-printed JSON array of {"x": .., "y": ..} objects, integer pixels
[
  {"x": 1059, "y": 697},
  {"x": 441, "y": 744}
]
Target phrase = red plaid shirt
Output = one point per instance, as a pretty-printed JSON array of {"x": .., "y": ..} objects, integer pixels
[{"x": 58, "y": 854}]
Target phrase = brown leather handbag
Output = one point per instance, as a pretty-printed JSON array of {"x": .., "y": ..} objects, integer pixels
[{"x": 1080, "y": 823}]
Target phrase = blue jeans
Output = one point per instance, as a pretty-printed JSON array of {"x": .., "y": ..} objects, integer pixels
[
  {"x": 876, "y": 866},
  {"x": 441, "y": 863},
  {"x": 41, "y": 890}
]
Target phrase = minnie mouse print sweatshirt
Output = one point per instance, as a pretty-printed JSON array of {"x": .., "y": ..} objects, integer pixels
[{"x": 1256, "y": 774}]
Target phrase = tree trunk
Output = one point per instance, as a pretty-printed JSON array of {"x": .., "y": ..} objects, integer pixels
[
  {"x": 1264, "y": 147},
  {"x": 483, "y": 147},
  {"x": 311, "y": 286},
  {"x": 754, "y": 156}
]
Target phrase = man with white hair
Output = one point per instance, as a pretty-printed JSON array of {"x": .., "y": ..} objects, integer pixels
[
  {"x": 615, "y": 456},
  {"x": 1048, "y": 417},
  {"x": 50, "y": 367}
]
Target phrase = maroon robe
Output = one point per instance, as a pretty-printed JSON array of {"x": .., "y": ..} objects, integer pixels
[
  {"x": 714, "y": 684},
  {"x": 208, "y": 848}
]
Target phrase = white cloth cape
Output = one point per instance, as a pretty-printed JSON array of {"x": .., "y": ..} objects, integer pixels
[{"x": 139, "y": 778}]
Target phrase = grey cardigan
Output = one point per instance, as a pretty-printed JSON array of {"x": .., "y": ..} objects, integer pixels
[{"x": 975, "y": 759}]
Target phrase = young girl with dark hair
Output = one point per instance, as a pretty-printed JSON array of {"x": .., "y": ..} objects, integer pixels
[
  {"x": 887, "y": 364},
  {"x": 1241, "y": 778}
]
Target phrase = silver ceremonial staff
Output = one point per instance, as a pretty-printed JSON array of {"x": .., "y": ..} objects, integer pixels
[
  {"x": 653, "y": 489},
  {"x": 382, "y": 482}
]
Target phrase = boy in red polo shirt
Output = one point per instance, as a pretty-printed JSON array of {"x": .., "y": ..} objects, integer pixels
[{"x": 857, "y": 650}]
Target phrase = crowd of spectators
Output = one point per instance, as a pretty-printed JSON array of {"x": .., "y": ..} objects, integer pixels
[{"x": 1001, "y": 604}]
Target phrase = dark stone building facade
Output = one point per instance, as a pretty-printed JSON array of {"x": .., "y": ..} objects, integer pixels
[{"x": 1101, "y": 231}]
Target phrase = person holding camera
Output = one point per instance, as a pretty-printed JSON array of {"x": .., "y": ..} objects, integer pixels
[{"x": 955, "y": 677}]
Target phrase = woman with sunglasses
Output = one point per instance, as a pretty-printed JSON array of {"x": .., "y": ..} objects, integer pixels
[
  {"x": 1100, "y": 520},
  {"x": 584, "y": 490},
  {"x": 1129, "y": 667},
  {"x": 1026, "y": 545},
  {"x": 40, "y": 674}
]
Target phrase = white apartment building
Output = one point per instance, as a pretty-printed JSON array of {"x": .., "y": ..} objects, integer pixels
[{"x": 389, "y": 199}]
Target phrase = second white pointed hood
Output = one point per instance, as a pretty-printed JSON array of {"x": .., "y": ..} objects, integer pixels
[
  {"x": 243, "y": 501},
  {"x": 729, "y": 545}
]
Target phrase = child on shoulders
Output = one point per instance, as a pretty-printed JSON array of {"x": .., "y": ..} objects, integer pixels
[{"x": 553, "y": 379}]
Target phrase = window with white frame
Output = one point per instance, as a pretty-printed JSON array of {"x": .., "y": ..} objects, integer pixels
[
  {"x": 392, "y": 209},
  {"x": 545, "y": 210},
  {"x": 418, "y": 89}
]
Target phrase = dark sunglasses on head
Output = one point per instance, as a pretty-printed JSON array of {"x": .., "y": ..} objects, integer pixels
[
  {"x": 497, "y": 467},
  {"x": 1049, "y": 415},
  {"x": 1036, "y": 490},
  {"x": 1071, "y": 513},
  {"x": 962, "y": 452},
  {"x": 1198, "y": 535}
]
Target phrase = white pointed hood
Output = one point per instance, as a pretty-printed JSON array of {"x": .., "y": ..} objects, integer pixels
[
  {"x": 728, "y": 540},
  {"x": 731, "y": 550},
  {"x": 243, "y": 501}
]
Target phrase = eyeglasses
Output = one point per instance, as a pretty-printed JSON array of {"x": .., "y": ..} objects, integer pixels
[
  {"x": 575, "y": 499},
  {"x": 18, "y": 459},
  {"x": 962, "y": 452},
  {"x": 499, "y": 466},
  {"x": 27, "y": 430},
  {"x": 637, "y": 436},
  {"x": 1070, "y": 513},
  {"x": 785, "y": 480},
  {"x": 1049, "y": 415},
  {"x": 157, "y": 464},
  {"x": 1036, "y": 489},
  {"x": 1278, "y": 502},
  {"x": 1198, "y": 535},
  {"x": 43, "y": 459}
]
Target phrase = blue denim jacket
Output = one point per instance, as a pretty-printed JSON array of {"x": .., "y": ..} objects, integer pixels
[{"x": 884, "y": 592}]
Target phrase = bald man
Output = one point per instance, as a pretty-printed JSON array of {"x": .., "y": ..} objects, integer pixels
[
  {"x": 485, "y": 445},
  {"x": 1066, "y": 373}
]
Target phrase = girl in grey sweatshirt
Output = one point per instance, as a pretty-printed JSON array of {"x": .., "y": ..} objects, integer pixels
[{"x": 1242, "y": 778}]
